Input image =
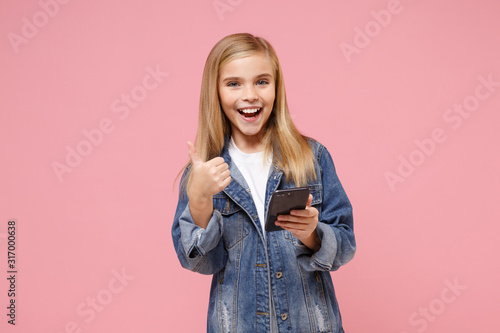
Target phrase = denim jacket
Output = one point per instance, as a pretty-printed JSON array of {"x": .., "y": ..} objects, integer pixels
[{"x": 247, "y": 267}]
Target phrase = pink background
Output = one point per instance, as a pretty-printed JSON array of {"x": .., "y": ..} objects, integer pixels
[{"x": 113, "y": 212}]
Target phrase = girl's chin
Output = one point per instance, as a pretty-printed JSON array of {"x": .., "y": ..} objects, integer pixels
[{"x": 249, "y": 134}]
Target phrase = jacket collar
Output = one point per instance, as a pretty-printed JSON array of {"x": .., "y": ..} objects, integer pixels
[{"x": 239, "y": 191}]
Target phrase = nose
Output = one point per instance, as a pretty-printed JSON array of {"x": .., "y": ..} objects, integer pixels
[{"x": 249, "y": 93}]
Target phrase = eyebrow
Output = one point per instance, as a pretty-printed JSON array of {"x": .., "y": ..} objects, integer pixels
[{"x": 236, "y": 78}]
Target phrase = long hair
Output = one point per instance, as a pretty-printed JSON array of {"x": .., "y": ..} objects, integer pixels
[{"x": 291, "y": 150}]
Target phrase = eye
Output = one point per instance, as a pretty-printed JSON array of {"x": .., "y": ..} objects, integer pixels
[
  {"x": 232, "y": 84},
  {"x": 262, "y": 82}
]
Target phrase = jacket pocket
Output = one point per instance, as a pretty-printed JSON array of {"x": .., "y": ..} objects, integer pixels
[
  {"x": 317, "y": 193},
  {"x": 234, "y": 225},
  {"x": 288, "y": 235},
  {"x": 319, "y": 304}
]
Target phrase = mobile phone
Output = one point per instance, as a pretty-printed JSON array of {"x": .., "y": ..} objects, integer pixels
[{"x": 282, "y": 202}]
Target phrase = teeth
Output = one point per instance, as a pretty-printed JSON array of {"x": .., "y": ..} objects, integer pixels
[{"x": 250, "y": 110}]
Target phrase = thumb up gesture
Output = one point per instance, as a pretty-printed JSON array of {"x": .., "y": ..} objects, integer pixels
[{"x": 207, "y": 178}]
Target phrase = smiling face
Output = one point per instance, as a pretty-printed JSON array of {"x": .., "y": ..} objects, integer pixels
[{"x": 246, "y": 93}]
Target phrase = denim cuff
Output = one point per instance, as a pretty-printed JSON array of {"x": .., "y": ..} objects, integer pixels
[
  {"x": 197, "y": 241},
  {"x": 321, "y": 260}
]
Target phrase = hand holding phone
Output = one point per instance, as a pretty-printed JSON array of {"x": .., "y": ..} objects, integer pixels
[{"x": 282, "y": 202}]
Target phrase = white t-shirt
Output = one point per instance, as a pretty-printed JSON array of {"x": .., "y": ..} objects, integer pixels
[{"x": 255, "y": 169}]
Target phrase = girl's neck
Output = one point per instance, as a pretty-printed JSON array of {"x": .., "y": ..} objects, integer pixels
[{"x": 249, "y": 144}]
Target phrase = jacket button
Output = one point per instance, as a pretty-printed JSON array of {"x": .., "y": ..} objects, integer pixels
[
  {"x": 279, "y": 275},
  {"x": 284, "y": 316}
]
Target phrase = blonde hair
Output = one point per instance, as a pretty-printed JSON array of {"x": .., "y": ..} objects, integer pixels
[{"x": 291, "y": 150}]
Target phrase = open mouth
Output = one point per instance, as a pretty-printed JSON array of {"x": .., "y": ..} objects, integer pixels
[{"x": 249, "y": 113}]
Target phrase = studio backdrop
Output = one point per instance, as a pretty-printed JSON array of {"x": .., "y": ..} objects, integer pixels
[{"x": 99, "y": 98}]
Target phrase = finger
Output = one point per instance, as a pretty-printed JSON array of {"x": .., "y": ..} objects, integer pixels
[
  {"x": 309, "y": 211},
  {"x": 291, "y": 219},
  {"x": 309, "y": 200},
  {"x": 225, "y": 174},
  {"x": 301, "y": 213},
  {"x": 290, "y": 226},
  {"x": 192, "y": 153},
  {"x": 225, "y": 183},
  {"x": 222, "y": 167},
  {"x": 222, "y": 177},
  {"x": 216, "y": 161}
]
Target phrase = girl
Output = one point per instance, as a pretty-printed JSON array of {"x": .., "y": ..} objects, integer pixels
[{"x": 246, "y": 148}]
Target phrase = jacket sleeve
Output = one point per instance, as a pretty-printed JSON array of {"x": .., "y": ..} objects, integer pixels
[
  {"x": 200, "y": 250},
  {"x": 335, "y": 226}
]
